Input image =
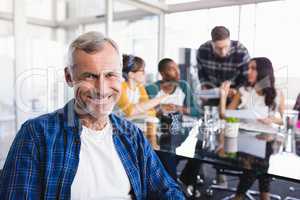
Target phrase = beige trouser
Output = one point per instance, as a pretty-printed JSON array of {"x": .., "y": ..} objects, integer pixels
[{"x": 151, "y": 134}]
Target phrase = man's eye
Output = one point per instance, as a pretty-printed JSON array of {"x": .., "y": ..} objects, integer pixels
[
  {"x": 112, "y": 75},
  {"x": 90, "y": 77}
]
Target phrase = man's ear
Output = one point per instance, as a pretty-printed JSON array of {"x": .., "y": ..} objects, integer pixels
[
  {"x": 130, "y": 74},
  {"x": 162, "y": 74},
  {"x": 68, "y": 77}
]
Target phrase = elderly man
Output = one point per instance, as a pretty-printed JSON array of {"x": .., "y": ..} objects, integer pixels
[{"x": 82, "y": 151}]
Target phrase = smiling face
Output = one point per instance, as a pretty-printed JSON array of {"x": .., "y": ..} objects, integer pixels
[
  {"x": 171, "y": 72},
  {"x": 138, "y": 75},
  {"x": 96, "y": 79}
]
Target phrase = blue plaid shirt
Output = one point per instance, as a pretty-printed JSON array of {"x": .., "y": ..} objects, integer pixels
[{"x": 44, "y": 156}]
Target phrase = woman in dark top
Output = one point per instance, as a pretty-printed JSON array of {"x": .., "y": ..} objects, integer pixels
[{"x": 297, "y": 106}]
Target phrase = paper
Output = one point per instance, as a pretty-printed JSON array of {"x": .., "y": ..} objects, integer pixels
[
  {"x": 143, "y": 119},
  {"x": 209, "y": 94},
  {"x": 285, "y": 165},
  {"x": 259, "y": 127},
  {"x": 244, "y": 145},
  {"x": 247, "y": 114}
]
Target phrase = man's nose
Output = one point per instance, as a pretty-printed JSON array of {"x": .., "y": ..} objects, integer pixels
[
  {"x": 101, "y": 84},
  {"x": 223, "y": 52}
]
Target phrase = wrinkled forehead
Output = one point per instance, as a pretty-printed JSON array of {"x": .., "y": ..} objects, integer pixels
[{"x": 105, "y": 59}]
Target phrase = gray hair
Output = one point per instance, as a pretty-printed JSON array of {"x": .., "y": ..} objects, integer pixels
[{"x": 89, "y": 42}]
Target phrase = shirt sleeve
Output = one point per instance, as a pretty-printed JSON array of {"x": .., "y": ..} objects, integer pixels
[
  {"x": 124, "y": 104},
  {"x": 189, "y": 101},
  {"x": 159, "y": 182},
  {"x": 127, "y": 107},
  {"x": 200, "y": 65},
  {"x": 143, "y": 98},
  {"x": 243, "y": 67},
  {"x": 20, "y": 178},
  {"x": 152, "y": 90}
]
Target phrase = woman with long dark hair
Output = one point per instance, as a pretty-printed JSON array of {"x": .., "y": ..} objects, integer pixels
[{"x": 258, "y": 92}]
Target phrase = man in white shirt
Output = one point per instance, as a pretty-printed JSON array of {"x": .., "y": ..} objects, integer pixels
[{"x": 83, "y": 151}]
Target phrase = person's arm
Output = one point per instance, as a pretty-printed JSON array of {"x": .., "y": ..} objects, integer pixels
[
  {"x": 131, "y": 109},
  {"x": 166, "y": 108},
  {"x": 224, "y": 91},
  {"x": 281, "y": 108},
  {"x": 160, "y": 185},
  {"x": 144, "y": 98},
  {"x": 243, "y": 66},
  {"x": 190, "y": 106},
  {"x": 200, "y": 66},
  {"x": 21, "y": 177}
]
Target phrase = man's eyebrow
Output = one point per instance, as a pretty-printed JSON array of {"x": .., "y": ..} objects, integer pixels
[{"x": 88, "y": 73}]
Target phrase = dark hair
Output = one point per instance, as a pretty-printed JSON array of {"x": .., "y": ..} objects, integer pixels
[
  {"x": 297, "y": 105},
  {"x": 131, "y": 63},
  {"x": 163, "y": 63},
  {"x": 219, "y": 33},
  {"x": 266, "y": 80}
]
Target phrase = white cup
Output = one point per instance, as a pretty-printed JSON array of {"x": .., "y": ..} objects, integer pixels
[
  {"x": 230, "y": 145},
  {"x": 232, "y": 129}
]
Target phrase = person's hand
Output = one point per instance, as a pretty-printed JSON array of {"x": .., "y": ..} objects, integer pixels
[
  {"x": 166, "y": 108},
  {"x": 232, "y": 92},
  {"x": 265, "y": 137},
  {"x": 202, "y": 99},
  {"x": 224, "y": 89},
  {"x": 267, "y": 121},
  {"x": 164, "y": 97}
]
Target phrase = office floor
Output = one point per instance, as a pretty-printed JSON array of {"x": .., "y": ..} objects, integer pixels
[{"x": 278, "y": 187}]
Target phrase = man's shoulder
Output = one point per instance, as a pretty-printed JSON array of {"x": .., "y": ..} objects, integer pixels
[
  {"x": 153, "y": 84},
  {"x": 205, "y": 51},
  {"x": 41, "y": 123},
  {"x": 123, "y": 126},
  {"x": 205, "y": 46},
  {"x": 152, "y": 88},
  {"x": 238, "y": 45},
  {"x": 183, "y": 84}
]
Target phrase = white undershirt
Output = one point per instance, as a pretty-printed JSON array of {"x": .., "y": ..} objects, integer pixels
[
  {"x": 133, "y": 95},
  {"x": 100, "y": 173},
  {"x": 176, "y": 98}
]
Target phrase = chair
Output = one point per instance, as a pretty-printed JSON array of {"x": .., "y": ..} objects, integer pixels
[{"x": 292, "y": 189}]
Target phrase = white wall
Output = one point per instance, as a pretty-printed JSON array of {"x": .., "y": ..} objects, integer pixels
[{"x": 267, "y": 29}]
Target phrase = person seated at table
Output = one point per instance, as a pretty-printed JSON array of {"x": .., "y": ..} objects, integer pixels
[
  {"x": 259, "y": 91},
  {"x": 181, "y": 98},
  {"x": 134, "y": 100},
  {"x": 297, "y": 107}
]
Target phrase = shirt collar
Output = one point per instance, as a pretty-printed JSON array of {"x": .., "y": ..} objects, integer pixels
[{"x": 71, "y": 119}]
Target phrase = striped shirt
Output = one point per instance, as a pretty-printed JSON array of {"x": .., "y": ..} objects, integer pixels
[
  {"x": 213, "y": 70},
  {"x": 44, "y": 157}
]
